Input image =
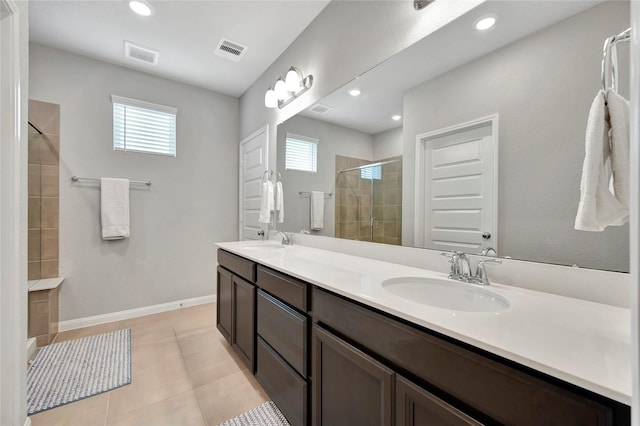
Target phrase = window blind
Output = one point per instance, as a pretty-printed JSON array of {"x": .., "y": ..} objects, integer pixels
[
  {"x": 301, "y": 153},
  {"x": 143, "y": 127}
]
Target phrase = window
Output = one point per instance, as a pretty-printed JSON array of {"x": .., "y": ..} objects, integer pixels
[
  {"x": 373, "y": 172},
  {"x": 301, "y": 153},
  {"x": 143, "y": 127}
]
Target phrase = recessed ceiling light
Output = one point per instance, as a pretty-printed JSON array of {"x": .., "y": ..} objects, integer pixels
[
  {"x": 396, "y": 117},
  {"x": 485, "y": 23},
  {"x": 141, "y": 7},
  {"x": 354, "y": 92}
]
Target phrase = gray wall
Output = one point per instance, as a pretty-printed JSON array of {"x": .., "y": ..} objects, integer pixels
[
  {"x": 191, "y": 204},
  {"x": 542, "y": 87},
  {"x": 334, "y": 140},
  {"x": 387, "y": 144}
]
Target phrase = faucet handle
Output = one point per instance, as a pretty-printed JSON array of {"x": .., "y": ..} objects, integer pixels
[{"x": 481, "y": 273}]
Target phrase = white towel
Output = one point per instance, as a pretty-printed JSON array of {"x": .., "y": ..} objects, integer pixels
[
  {"x": 114, "y": 208},
  {"x": 279, "y": 202},
  {"x": 317, "y": 210},
  {"x": 266, "y": 202},
  {"x": 619, "y": 142},
  {"x": 598, "y": 207}
]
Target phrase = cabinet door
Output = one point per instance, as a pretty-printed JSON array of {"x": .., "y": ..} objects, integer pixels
[
  {"x": 243, "y": 334},
  {"x": 349, "y": 387},
  {"x": 417, "y": 407},
  {"x": 224, "y": 306}
]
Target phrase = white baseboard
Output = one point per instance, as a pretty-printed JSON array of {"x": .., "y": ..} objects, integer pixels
[{"x": 133, "y": 313}]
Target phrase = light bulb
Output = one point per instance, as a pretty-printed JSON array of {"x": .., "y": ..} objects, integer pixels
[
  {"x": 293, "y": 80},
  {"x": 281, "y": 89},
  {"x": 270, "y": 99},
  {"x": 141, "y": 7},
  {"x": 485, "y": 23},
  {"x": 354, "y": 92},
  {"x": 396, "y": 117}
]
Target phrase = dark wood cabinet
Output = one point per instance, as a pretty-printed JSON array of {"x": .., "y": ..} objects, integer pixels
[
  {"x": 224, "y": 319},
  {"x": 328, "y": 360},
  {"x": 349, "y": 387},
  {"x": 417, "y": 407},
  {"x": 236, "y": 305},
  {"x": 243, "y": 336}
]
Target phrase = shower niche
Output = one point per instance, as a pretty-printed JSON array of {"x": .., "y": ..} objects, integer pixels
[{"x": 369, "y": 200}]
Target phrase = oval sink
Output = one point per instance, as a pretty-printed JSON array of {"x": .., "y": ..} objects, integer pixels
[{"x": 446, "y": 294}]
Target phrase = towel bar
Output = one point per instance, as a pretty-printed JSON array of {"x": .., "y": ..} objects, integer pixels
[{"x": 138, "y": 182}]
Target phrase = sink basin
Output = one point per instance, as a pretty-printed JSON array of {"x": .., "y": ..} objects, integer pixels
[
  {"x": 264, "y": 246},
  {"x": 446, "y": 294}
]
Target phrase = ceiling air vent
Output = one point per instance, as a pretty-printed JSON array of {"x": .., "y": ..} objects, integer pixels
[
  {"x": 230, "y": 50},
  {"x": 139, "y": 53},
  {"x": 321, "y": 108}
]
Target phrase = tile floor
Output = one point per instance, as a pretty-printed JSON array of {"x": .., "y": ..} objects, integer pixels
[{"x": 183, "y": 373}]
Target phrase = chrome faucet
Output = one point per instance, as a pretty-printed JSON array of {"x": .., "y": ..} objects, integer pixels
[
  {"x": 287, "y": 240},
  {"x": 461, "y": 268},
  {"x": 485, "y": 252}
]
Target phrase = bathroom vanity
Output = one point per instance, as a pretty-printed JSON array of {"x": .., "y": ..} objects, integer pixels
[{"x": 331, "y": 345}]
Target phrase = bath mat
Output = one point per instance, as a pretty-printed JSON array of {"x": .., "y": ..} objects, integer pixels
[
  {"x": 76, "y": 369},
  {"x": 267, "y": 414}
]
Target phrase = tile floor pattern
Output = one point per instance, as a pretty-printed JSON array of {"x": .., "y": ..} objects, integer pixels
[{"x": 183, "y": 373}]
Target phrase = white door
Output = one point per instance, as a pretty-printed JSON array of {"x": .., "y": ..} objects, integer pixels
[
  {"x": 460, "y": 194},
  {"x": 253, "y": 165}
]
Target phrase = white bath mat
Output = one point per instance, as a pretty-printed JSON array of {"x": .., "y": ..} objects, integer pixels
[
  {"x": 267, "y": 414},
  {"x": 69, "y": 371}
]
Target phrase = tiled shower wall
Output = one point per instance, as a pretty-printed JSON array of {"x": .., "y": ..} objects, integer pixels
[
  {"x": 353, "y": 202},
  {"x": 43, "y": 190}
]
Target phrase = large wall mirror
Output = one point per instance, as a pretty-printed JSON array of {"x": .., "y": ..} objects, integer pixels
[{"x": 466, "y": 140}]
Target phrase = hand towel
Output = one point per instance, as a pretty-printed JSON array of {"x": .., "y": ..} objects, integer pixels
[
  {"x": 317, "y": 210},
  {"x": 598, "y": 207},
  {"x": 279, "y": 202},
  {"x": 619, "y": 116},
  {"x": 266, "y": 202},
  {"x": 114, "y": 208}
]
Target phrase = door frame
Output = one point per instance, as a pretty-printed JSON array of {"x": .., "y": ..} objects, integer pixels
[
  {"x": 420, "y": 145},
  {"x": 263, "y": 129},
  {"x": 13, "y": 259}
]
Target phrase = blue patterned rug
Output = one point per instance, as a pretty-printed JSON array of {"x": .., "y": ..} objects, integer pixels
[
  {"x": 69, "y": 371},
  {"x": 268, "y": 414}
]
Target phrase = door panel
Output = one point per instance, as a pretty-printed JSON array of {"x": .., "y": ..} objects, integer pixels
[
  {"x": 349, "y": 387},
  {"x": 459, "y": 189},
  {"x": 253, "y": 164},
  {"x": 224, "y": 305},
  {"x": 243, "y": 336}
]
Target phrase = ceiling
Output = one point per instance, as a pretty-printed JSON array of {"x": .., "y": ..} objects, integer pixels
[
  {"x": 383, "y": 87},
  {"x": 186, "y": 33}
]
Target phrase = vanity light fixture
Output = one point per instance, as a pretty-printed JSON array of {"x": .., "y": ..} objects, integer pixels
[
  {"x": 485, "y": 23},
  {"x": 354, "y": 92},
  {"x": 286, "y": 90},
  {"x": 141, "y": 7},
  {"x": 396, "y": 117}
]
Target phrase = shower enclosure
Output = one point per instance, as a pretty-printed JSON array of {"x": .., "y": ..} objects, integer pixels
[{"x": 369, "y": 202}]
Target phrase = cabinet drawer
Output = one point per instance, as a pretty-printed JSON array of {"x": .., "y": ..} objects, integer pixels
[
  {"x": 284, "y": 287},
  {"x": 497, "y": 390},
  {"x": 284, "y": 329},
  {"x": 238, "y": 265},
  {"x": 284, "y": 386}
]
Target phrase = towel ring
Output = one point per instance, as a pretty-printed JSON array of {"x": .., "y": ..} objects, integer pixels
[{"x": 269, "y": 173}]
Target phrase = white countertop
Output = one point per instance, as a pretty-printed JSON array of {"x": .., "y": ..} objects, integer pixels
[{"x": 581, "y": 342}]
